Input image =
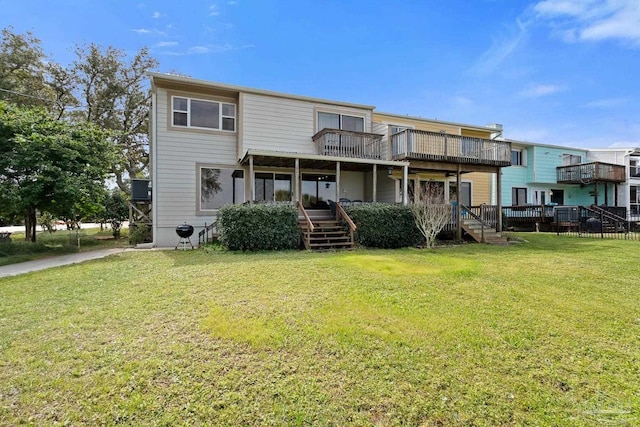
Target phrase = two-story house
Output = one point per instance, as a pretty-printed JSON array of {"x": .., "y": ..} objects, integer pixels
[
  {"x": 627, "y": 194},
  {"x": 214, "y": 144},
  {"x": 542, "y": 176}
]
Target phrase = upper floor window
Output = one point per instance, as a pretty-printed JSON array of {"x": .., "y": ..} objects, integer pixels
[
  {"x": 340, "y": 121},
  {"x": 397, "y": 129},
  {"x": 634, "y": 168},
  {"x": 203, "y": 114},
  {"x": 516, "y": 158},
  {"x": 571, "y": 159}
]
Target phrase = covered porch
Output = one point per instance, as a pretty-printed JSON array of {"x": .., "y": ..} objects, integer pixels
[{"x": 316, "y": 179}]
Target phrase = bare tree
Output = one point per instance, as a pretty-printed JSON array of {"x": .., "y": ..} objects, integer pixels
[{"x": 431, "y": 211}]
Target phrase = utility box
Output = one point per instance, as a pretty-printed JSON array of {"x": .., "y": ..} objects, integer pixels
[{"x": 140, "y": 190}]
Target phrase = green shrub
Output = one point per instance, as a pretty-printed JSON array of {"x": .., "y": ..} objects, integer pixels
[
  {"x": 140, "y": 234},
  {"x": 383, "y": 225},
  {"x": 258, "y": 227}
]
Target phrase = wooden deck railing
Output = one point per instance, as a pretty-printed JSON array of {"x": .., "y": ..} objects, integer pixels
[
  {"x": 586, "y": 173},
  {"x": 342, "y": 215},
  {"x": 310, "y": 227},
  {"x": 342, "y": 143},
  {"x": 442, "y": 147}
]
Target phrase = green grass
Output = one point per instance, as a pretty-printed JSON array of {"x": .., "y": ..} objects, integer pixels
[
  {"x": 58, "y": 243},
  {"x": 546, "y": 332}
]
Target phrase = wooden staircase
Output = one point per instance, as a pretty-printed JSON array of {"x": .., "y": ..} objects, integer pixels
[
  {"x": 474, "y": 228},
  {"x": 329, "y": 234},
  {"x": 326, "y": 232}
]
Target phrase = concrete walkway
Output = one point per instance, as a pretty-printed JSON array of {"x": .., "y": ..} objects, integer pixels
[{"x": 55, "y": 261}]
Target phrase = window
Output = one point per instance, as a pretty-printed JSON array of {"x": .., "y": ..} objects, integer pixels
[
  {"x": 571, "y": 159},
  {"x": 557, "y": 196},
  {"x": 203, "y": 114},
  {"x": 397, "y": 129},
  {"x": 516, "y": 158},
  {"x": 634, "y": 193},
  {"x": 634, "y": 168},
  {"x": 219, "y": 187},
  {"x": 317, "y": 189},
  {"x": 340, "y": 121},
  {"x": 518, "y": 196},
  {"x": 465, "y": 194},
  {"x": 271, "y": 187}
]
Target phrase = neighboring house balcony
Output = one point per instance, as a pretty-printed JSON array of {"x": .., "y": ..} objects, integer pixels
[
  {"x": 343, "y": 143},
  {"x": 411, "y": 144},
  {"x": 587, "y": 173}
]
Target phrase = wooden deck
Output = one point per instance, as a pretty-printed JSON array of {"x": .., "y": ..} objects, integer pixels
[{"x": 411, "y": 144}]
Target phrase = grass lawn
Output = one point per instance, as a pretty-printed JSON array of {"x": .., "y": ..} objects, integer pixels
[
  {"x": 545, "y": 333},
  {"x": 59, "y": 243}
]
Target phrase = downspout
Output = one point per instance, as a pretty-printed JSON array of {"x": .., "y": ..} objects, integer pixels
[{"x": 154, "y": 158}]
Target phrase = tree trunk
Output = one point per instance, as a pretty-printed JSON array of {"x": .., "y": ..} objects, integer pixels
[{"x": 30, "y": 222}]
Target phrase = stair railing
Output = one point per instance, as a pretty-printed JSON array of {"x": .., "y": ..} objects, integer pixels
[
  {"x": 341, "y": 215},
  {"x": 480, "y": 219},
  {"x": 310, "y": 227},
  {"x": 618, "y": 221}
]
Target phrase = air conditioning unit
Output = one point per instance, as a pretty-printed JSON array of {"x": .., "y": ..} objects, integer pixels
[{"x": 140, "y": 190}]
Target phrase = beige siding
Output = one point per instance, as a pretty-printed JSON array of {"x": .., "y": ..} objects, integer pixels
[
  {"x": 383, "y": 129},
  {"x": 176, "y": 155},
  {"x": 480, "y": 187},
  {"x": 280, "y": 124}
]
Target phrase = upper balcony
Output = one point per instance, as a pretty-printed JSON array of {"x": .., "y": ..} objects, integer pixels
[
  {"x": 343, "y": 143},
  {"x": 411, "y": 144},
  {"x": 587, "y": 173}
]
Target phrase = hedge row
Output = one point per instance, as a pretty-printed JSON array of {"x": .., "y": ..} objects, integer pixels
[
  {"x": 258, "y": 227},
  {"x": 383, "y": 225}
]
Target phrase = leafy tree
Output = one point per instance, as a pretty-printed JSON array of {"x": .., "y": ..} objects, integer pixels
[
  {"x": 22, "y": 70},
  {"x": 115, "y": 97},
  {"x": 50, "y": 165},
  {"x": 103, "y": 86},
  {"x": 116, "y": 210}
]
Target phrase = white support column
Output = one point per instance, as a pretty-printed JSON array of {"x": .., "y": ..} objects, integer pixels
[
  {"x": 337, "y": 182},
  {"x": 458, "y": 206},
  {"x": 405, "y": 185},
  {"x": 499, "y": 200},
  {"x": 296, "y": 182},
  {"x": 252, "y": 181},
  {"x": 375, "y": 184}
]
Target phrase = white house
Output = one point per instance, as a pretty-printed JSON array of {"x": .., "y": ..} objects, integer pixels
[{"x": 628, "y": 193}]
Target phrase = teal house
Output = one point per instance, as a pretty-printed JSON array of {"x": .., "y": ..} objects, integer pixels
[{"x": 551, "y": 175}]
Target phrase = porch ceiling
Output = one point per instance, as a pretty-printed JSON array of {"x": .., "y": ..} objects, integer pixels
[{"x": 313, "y": 161}]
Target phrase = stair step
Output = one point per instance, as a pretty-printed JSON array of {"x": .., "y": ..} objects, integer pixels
[{"x": 325, "y": 245}]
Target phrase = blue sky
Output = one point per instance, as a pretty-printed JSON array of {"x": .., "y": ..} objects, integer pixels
[{"x": 557, "y": 71}]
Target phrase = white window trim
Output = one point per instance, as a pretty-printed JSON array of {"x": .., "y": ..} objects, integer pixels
[
  {"x": 188, "y": 112},
  {"x": 519, "y": 150},
  {"x": 199, "y": 166}
]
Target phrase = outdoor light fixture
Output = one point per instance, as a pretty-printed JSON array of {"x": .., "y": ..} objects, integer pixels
[{"x": 389, "y": 171}]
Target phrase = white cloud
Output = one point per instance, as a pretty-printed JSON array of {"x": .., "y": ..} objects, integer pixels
[
  {"x": 149, "y": 31},
  {"x": 213, "y": 10},
  {"x": 462, "y": 101},
  {"x": 205, "y": 49},
  {"x": 166, "y": 44},
  {"x": 538, "y": 90},
  {"x": 199, "y": 49},
  {"x": 502, "y": 48},
  {"x": 592, "y": 20},
  {"x": 605, "y": 103},
  {"x": 156, "y": 15}
]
